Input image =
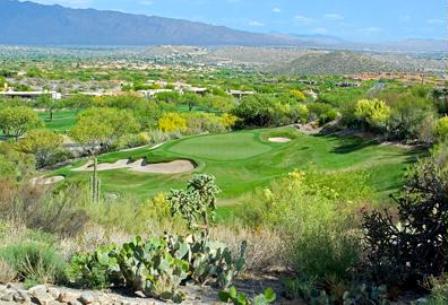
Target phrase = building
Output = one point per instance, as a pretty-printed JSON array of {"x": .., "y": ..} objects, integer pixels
[{"x": 31, "y": 94}]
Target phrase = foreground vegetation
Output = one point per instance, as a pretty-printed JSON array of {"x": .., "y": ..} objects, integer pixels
[{"x": 348, "y": 205}]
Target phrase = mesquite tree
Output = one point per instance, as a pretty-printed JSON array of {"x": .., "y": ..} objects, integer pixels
[{"x": 96, "y": 129}]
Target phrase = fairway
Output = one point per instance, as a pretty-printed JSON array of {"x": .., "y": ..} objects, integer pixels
[
  {"x": 62, "y": 121},
  {"x": 245, "y": 160}
]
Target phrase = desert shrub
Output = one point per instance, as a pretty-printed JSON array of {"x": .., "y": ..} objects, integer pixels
[
  {"x": 312, "y": 217},
  {"x": 171, "y": 122},
  {"x": 321, "y": 112},
  {"x": 35, "y": 262},
  {"x": 408, "y": 249},
  {"x": 14, "y": 164},
  {"x": 372, "y": 114},
  {"x": 407, "y": 116},
  {"x": 134, "y": 140},
  {"x": 441, "y": 129},
  {"x": 54, "y": 212},
  {"x": 207, "y": 122},
  {"x": 439, "y": 291},
  {"x": 239, "y": 298}
]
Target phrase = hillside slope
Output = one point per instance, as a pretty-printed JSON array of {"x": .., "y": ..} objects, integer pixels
[{"x": 328, "y": 63}]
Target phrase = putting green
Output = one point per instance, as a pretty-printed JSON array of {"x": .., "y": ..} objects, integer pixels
[
  {"x": 228, "y": 147},
  {"x": 243, "y": 161}
]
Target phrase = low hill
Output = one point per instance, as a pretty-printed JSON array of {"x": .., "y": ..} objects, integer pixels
[{"x": 328, "y": 63}]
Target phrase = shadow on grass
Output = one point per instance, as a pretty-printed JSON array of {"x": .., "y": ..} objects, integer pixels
[{"x": 349, "y": 144}]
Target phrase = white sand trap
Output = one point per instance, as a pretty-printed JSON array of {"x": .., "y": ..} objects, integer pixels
[
  {"x": 47, "y": 181},
  {"x": 173, "y": 167},
  {"x": 279, "y": 140},
  {"x": 88, "y": 167}
]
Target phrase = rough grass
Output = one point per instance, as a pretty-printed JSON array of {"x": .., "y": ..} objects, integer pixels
[{"x": 243, "y": 161}]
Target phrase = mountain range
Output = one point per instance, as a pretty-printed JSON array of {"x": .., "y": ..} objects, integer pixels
[
  {"x": 35, "y": 24},
  {"x": 28, "y": 23}
]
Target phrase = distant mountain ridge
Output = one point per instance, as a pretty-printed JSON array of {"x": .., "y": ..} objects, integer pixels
[
  {"x": 29, "y": 23},
  {"x": 35, "y": 24}
]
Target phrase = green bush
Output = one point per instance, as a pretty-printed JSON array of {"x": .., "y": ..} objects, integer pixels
[
  {"x": 313, "y": 212},
  {"x": 441, "y": 129},
  {"x": 406, "y": 250},
  {"x": 238, "y": 298},
  {"x": 35, "y": 263},
  {"x": 321, "y": 112},
  {"x": 96, "y": 270}
]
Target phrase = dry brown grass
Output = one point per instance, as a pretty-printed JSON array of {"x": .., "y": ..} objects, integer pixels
[
  {"x": 7, "y": 273},
  {"x": 266, "y": 249}
]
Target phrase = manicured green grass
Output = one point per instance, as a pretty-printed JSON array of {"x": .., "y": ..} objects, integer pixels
[
  {"x": 62, "y": 120},
  {"x": 243, "y": 161}
]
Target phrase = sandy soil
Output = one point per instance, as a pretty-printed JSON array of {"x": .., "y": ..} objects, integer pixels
[
  {"x": 279, "y": 140},
  {"x": 47, "y": 180},
  {"x": 173, "y": 167}
]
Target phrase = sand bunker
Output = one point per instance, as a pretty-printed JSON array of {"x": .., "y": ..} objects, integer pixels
[
  {"x": 173, "y": 167},
  {"x": 47, "y": 180},
  {"x": 279, "y": 140}
]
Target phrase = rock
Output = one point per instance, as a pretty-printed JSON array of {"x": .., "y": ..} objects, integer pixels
[
  {"x": 66, "y": 297},
  {"x": 87, "y": 298},
  {"x": 74, "y": 302},
  {"x": 54, "y": 293},
  {"x": 42, "y": 298},
  {"x": 39, "y": 289},
  {"x": 7, "y": 297},
  {"x": 21, "y": 297}
]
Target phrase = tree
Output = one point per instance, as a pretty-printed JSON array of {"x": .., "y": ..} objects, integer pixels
[
  {"x": 191, "y": 100},
  {"x": 49, "y": 104},
  {"x": 97, "y": 129},
  {"x": 43, "y": 144},
  {"x": 15, "y": 121}
]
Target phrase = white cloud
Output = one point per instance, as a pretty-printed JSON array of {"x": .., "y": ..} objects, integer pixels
[
  {"x": 255, "y": 23},
  {"x": 435, "y": 21},
  {"x": 276, "y": 10},
  {"x": 303, "y": 19},
  {"x": 334, "y": 17}
]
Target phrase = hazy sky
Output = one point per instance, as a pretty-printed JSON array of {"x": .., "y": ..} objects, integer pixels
[{"x": 358, "y": 20}]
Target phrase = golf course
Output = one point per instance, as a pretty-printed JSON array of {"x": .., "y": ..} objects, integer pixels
[{"x": 246, "y": 160}]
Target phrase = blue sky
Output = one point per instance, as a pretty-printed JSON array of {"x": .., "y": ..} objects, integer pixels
[{"x": 356, "y": 20}]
